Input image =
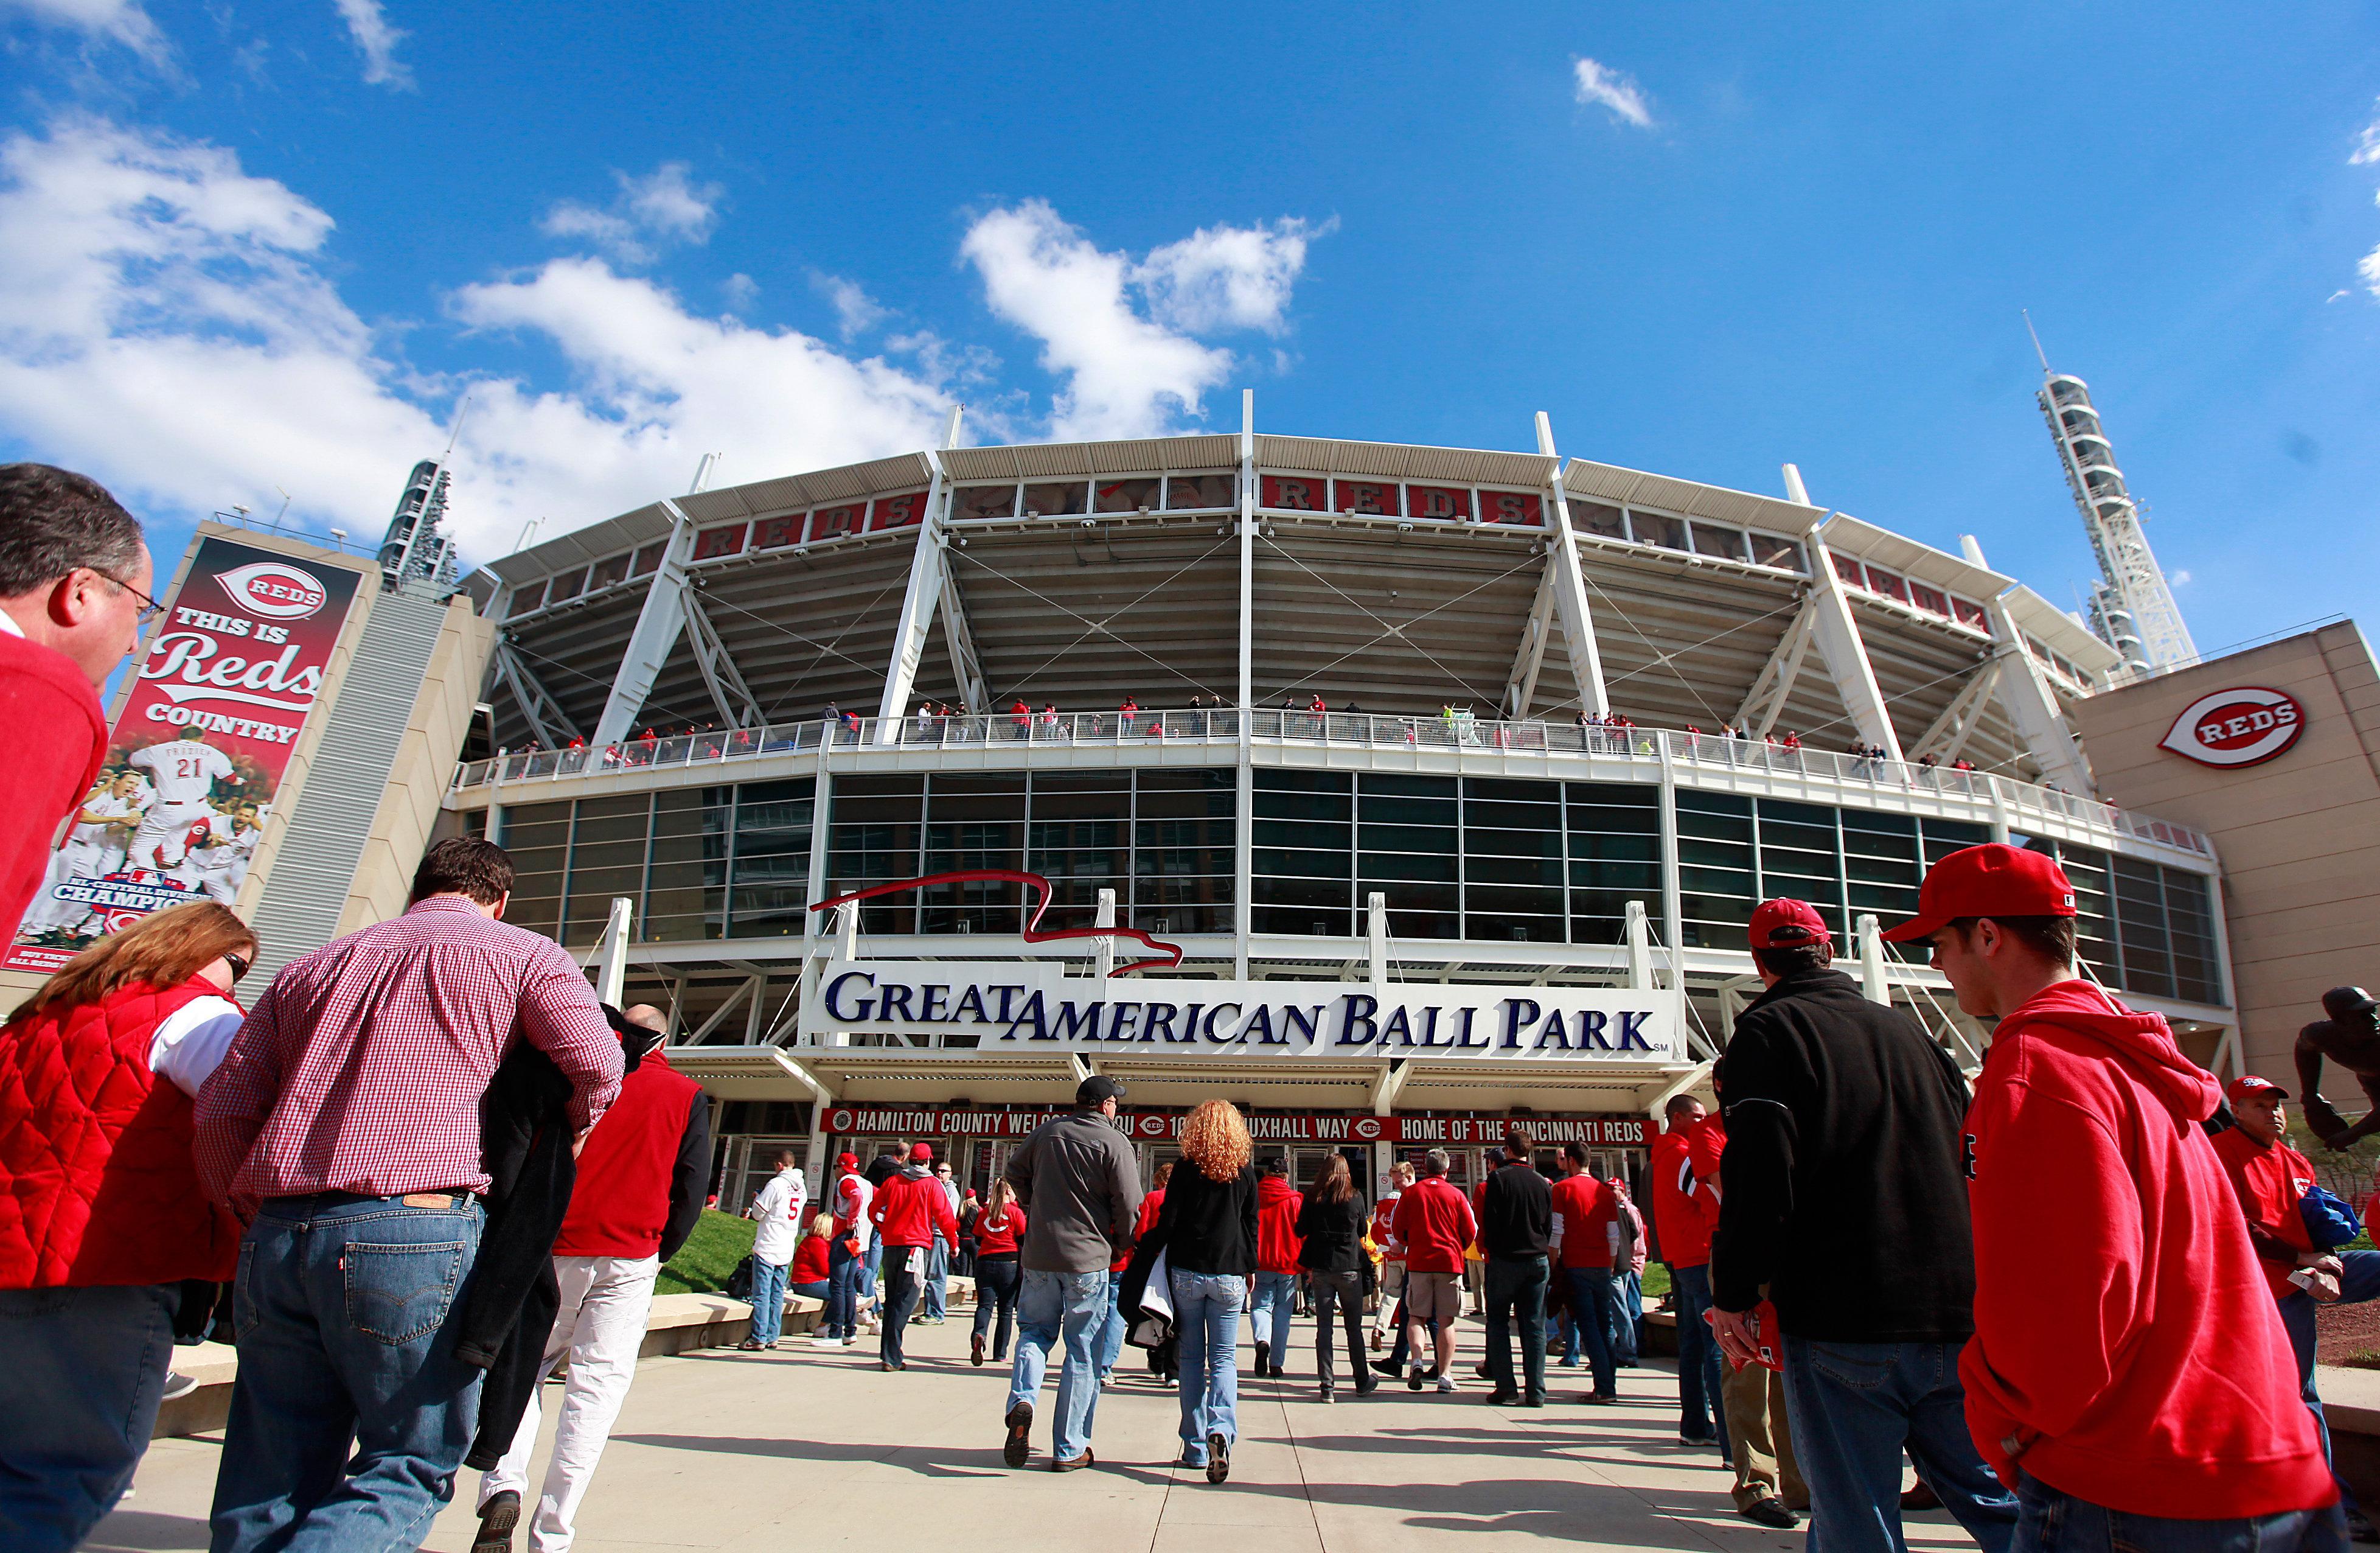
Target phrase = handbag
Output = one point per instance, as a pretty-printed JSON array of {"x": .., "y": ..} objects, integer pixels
[
  {"x": 739, "y": 1282},
  {"x": 2329, "y": 1222},
  {"x": 1152, "y": 1323}
]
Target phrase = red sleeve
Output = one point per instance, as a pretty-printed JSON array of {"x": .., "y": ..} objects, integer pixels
[{"x": 45, "y": 706}]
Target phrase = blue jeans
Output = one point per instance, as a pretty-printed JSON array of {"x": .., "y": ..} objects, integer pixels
[
  {"x": 768, "y": 1302},
  {"x": 351, "y": 1412},
  {"x": 2050, "y": 1522},
  {"x": 1628, "y": 1308},
  {"x": 79, "y": 1395},
  {"x": 844, "y": 1273},
  {"x": 1854, "y": 1408},
  {"x": 2361, "y": 1283},
  {"x": 1072, "y": 1306},
  {"x": 1516, "y": 1293},
  {"x": 1269, "y": 1318},
  {"x": 1701, "y": 1415},
  {"x": 938, "y": 1279},
  {"x": 1111, "y": 1327},
  {"x": 1591, "y": 1311},
  {"x": 1206, "y": 1321}
]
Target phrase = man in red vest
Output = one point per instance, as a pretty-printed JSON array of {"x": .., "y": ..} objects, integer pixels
[
  {"x": 74, "y": 592},
  {"x": 643, "y": 1178}
]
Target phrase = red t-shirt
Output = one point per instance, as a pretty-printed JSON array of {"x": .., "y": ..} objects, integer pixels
[
  {"x": 1586, "y": 1208},
  {"x": 2271, "y": 1180},
  {"x": 1685, "y": 1231},
  {"x": 999, "y": 1239},
  {"x": 1434, "y": 1221},
  {"x": 47, "y": 707},
  {"x": 809, "y": 1261}
]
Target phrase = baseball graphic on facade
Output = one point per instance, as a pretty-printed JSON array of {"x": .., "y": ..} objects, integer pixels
[
  {"x": 2243, "y": 726},
  {"x": 275, "y": 590}
]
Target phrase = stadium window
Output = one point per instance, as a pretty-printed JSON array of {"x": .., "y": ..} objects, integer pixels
[
  {"x": 1182, "y": 849},
  {"x": 1594, "y": 517},
  {"x": 2190, "y": 927},
  {"x": 609, "y": 573},
  {"x": 1850, "y": 570},
  {"x": 1775, "y": 550},
  {"x": 2097, "y": 938},
  {"x": 726, "y": 539},
  {"x": 1440, "y": 503},
  {"x": 775, "y": 533},
  {"x": 1135, "y": 494},
  {"x": 686, "y": 885},
  {"x": 1941, "y": 837},
  {"x": 1614, "y": 845},
  {"x": 1079, "y": 835},
  {"x": 1368, "y": 498},
  {"x": 649, "y": 560},
  {"x": 566, "y": 586},
  {"x": 1656, "y": 528},
  {"x": 1880, "y": 865},
  {"x": 1801, "y": 857},
  {"x": 537, "y": 838},
  {"x": 769, "y": 888},
  {"x": 1514, "y": 508},
  {"x": 1887, "y": 584},
  {"x": 984, "y": 501},
  {"x": 837, "y": 522},
  {"x": 1971, "y": 615},
  {"x": 608, "y": 839},
  {"x": 1294, "y": 493},
  {"x": 1715, "y": 539},
  {"x": 1193, "y": 492},
  {"x": 1057, "y": 501},
  {"x": 1928, "y": 599},
  {"x": 1303, "y": 853},
  {"x": 873, "y": 839},
  {"x": 900, "y": 510},
  {"x": 2141, "y": 926},
  {"x": 973, "y": 820},
  {"x": 1718, "y": 877}
]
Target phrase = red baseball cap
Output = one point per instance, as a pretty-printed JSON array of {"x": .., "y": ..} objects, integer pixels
[
  {"x": 922, "y": 1153},
  {"x": 847, "y": 1162},
  {"x": 1987, "y": 881},
  {"x": 1784, "y": 924},
  {"x": 2251, "y": 1087}
]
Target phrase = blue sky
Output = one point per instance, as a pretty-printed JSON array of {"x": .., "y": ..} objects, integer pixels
[{"x": 265, "y": 248}]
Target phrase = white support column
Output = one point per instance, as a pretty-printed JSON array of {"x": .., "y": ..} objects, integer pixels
[
  {"x": 611, "y": 964},
  {"x": 929, "y": 577},
  {"x": 1106, "y": 917},
  {"x": 1521, "y": 686},
  {"x": 1765, "y": 702},
  {"x": 1837, "y": 631},
  {"x": 1568, "y": 580},
  {"x": 546, "y": 719},
  {"x": 1946, "y": 738},
  {"x": 655, "y": 635},
  {"x": 1243, "y": 855},
  {"x": 1640, "y": 949},
  {"x": 1375, "y": 926},
  {"x": 2033, "y": 706},
  {"x": 737, "y": 706},
  {"x": 1875, "y": 985}
]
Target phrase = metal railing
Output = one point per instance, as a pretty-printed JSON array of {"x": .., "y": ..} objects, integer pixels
[{"x": 1700, "y": 758}]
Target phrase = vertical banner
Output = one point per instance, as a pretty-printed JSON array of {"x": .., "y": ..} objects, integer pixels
[{"x": 197, "y": 754}]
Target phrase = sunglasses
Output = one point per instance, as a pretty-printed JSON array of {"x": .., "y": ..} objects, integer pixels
[
  {"x": 239, "y": 967},
  {"x": 150, "y": 608}
]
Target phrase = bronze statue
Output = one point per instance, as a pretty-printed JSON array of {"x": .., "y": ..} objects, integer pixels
[{"x": 2350, "y": 1038}]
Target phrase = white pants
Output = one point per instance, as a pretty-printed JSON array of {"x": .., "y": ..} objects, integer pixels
[
  {"x": 159, "y": 843},
  {"x": 601, "y": 1326}
]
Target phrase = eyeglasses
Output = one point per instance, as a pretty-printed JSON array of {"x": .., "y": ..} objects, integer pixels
[
  {"x": 239, "y": 967},
  {"x": 150, "y": 608}
]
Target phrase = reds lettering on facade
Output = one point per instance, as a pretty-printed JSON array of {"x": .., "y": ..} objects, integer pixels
[{"x": 2245, "y": 726}]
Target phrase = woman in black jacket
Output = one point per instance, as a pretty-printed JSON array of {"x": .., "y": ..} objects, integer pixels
[
  {"x": 1330, "y": 1229},
  {"x": 1209, "y": 1230}
]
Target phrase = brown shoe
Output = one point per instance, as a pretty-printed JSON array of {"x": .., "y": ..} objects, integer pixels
[
  {"x": 1077, "y": 1465},
  {"x": 1921, "y": 1497}
]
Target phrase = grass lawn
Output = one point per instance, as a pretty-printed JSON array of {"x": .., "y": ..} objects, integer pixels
[
  {"x": 1656, "y": 1279},
  {"x": 701, "y": 1265}
]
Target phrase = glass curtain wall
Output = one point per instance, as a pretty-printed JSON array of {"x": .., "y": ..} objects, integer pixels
[
  {"x": 2140, "y": 925},
  {"x": 1734, "y": 852}
]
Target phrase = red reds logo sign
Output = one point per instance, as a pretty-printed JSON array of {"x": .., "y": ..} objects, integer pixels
[
  {"x": 2244, "y": 726},
  {"x": 274, "y": 589}
]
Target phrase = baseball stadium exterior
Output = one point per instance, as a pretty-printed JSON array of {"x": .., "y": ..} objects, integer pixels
[{"x": 1413, "y": 759}]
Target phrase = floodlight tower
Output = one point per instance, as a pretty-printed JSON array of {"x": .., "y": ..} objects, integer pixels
[
  {"x": 2130, "y": 608},
  {"x": 416, "y": 549}
]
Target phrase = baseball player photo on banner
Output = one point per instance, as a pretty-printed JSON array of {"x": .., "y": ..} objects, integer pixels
[{"x": 198, "y": 752}]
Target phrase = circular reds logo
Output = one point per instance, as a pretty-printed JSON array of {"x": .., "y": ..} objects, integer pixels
[
  {"x": 274, "y": 589},
  {"x": 2244, "y": 726},
  {"x": 838, "y": 1120}
]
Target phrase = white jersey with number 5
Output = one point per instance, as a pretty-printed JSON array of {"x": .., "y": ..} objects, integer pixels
[{"x": 182, "y": 770}]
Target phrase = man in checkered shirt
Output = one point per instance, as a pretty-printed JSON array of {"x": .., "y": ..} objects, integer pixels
[{"x": 343, "y": 1123}]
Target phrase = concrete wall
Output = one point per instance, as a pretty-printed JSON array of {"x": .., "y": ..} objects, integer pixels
[{"x": 2298, "y": 836}]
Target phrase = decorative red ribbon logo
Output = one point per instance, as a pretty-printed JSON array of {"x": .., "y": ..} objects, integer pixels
[{"x": 1033, "y": 930}]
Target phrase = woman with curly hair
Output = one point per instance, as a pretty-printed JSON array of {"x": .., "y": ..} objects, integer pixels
[{"x": 1208, "y": 1228}]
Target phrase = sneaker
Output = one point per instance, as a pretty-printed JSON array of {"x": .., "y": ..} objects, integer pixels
[
  {"x": 1019, "y": 1445},
  {"x": 848, "y": 1341},
  {"x": 1413, "y": 1381},
  {"x": 1326, "y": 1394},
  {"x": 1388, "y": 1367},
  {"x": 751, "y": 1345},
  {"x": 1502, "y": 1398},
  {"x": 1606, "y": 1399},
  {"x": 497, "y": 1519},
  {"x": 1264, "y": 1357},
  {"x": 179, "y": 1385},
  {"x": 1771, "y": 1512},
  {"x": 823, "y": 1341},
  {"x": 1218, "y": 1458},
  {"x": 975, "y": 1350},
  {"x": 1446, "y": 1384}
]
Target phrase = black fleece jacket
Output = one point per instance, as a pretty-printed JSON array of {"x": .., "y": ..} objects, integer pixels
[{"x": 1842, "y": 1188}]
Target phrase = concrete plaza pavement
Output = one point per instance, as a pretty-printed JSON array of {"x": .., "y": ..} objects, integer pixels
[{"x": 814, "y": 1448}]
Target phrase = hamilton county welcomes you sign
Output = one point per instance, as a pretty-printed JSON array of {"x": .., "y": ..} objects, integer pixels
[{"x": 1014, "y": 1006}]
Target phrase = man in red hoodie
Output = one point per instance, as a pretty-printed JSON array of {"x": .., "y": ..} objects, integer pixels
[
  {"x": 1277, "y": 1246},
  {"x": 2129, "y": 1377},
  {"x": 1684, "y": 1223},
  {"x": 911, "y": 1213},
  {"x": 643, "y": 1173},
  {"x": 74, "y": 592}
]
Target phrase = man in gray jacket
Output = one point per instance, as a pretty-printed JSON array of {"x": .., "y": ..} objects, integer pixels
[{"x": 1076, "y": 1180}]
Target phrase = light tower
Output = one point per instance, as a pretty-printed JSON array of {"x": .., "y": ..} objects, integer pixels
[
  {"x": 2132, "y": 608},
  {"x": 417, "y": 553}
]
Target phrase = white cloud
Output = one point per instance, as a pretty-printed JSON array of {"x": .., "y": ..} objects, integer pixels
[
  {"x": 1130, "y": 373},
  {"x": 170, "y": 328},
  {"x": 2367, "y": 152},
  {"x": 741, "y": 290},
  {"x": 124, "y": 22},
  {"x": 666, "y": 205},
  {"x": 2181, "y": 579},
  {"x": 1615, "y": 90},
  {"x": 376, "y": 40},
  {"x": 856, "y": 312}
]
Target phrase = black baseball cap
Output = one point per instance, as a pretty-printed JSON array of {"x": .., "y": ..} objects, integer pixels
[
  {"x": 1096, "y": 1088},
  {"x": 2341, "y": 1001}
]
